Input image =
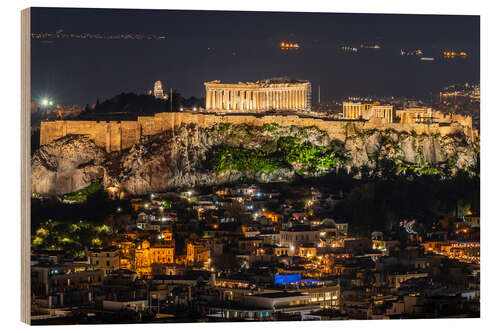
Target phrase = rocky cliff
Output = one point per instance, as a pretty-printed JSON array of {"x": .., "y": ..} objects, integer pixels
[{"x": 224, "y": 153}]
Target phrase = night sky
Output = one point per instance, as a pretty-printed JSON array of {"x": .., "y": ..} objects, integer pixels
[{"x": 244, "y": 46}]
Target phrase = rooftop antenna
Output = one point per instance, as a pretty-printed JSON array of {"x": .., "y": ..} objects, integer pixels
[{"x": 319, "y": 94}]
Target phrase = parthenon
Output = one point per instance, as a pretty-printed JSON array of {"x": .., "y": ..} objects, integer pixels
[{"x": 260, "y": 96}]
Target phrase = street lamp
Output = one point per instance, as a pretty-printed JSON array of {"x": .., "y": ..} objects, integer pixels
[{"x": 46, "y": 102}]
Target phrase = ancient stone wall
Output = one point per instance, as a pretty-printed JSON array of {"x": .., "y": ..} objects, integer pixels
[{"x": 119, "y": 135}]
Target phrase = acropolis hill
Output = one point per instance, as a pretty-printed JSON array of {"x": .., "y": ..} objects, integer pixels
[
  {"x": 250, "y": 130},
  {"x": 121, "y": 135}
]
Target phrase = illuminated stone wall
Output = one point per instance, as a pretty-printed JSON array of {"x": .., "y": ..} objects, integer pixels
[{"x": 119, "y": 135}]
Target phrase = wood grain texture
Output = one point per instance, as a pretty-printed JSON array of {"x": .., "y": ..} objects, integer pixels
[{"x": 25, "y": 166}]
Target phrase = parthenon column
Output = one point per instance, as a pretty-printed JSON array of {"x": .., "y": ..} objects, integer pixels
[
  {"x": 247, "y": 100},
  {"x": 209, "y": 99},
  {"x": 232, "y": 100},
  {"x": 242, "y": 100},
  {"x": 254, "y": 100}
]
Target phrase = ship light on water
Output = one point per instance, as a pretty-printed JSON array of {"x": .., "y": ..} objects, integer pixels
[
  {"x": 285, "y": 46},
  {"x": 453, "y": 54}
]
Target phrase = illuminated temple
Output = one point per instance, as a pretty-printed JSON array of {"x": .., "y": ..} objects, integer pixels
[{"x": 260, "y": 96}]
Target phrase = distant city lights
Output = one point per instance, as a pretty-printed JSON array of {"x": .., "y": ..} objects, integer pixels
[
  {"x": 59, "y": 34},
  {"x": 346, "y": 48},
  {"x": 374, "y": 46},
  {"x": 417, "y": 52}
]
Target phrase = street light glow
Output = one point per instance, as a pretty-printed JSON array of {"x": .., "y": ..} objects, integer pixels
[{"x": 46, "y": 102}]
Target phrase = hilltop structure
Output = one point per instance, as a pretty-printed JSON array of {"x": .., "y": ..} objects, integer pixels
[
  {"x": 367, "y": 111},
  {"x": 157, "y": 91},
  {"x": 410, "y": 115},
  {"x": 260, "y": 96},
  {"x": 252, "y": 103}
]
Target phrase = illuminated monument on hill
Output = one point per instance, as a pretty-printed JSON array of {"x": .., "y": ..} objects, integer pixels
[
  {"x": 157, "y": 91},
  {"x": 260, "y": 96}
]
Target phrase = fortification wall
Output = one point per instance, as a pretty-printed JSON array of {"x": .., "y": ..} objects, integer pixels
[{"x": 119, "y": 135}]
